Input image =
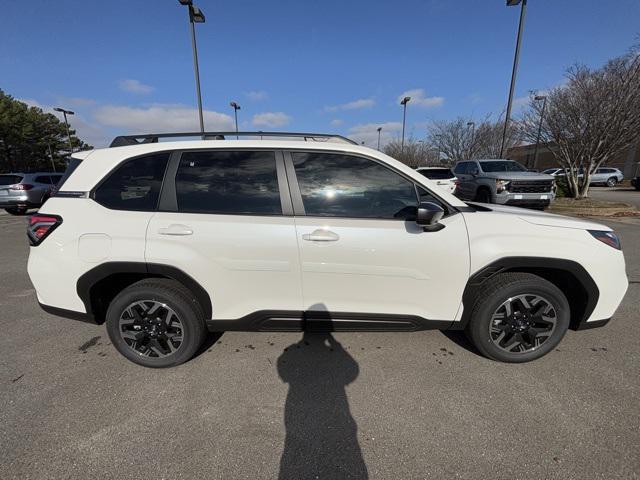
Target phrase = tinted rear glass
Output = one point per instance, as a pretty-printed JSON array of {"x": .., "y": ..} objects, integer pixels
[
  {"x": 10, "y": 179},
  {"x": 241, "y": 183},
  {"x": 134, "y": 185},
  {"x": 437, "y": 173}
]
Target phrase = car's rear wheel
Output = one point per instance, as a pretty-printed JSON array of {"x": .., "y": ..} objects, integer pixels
[
  {"x": 612, "y": 182},
  {"x": 156, "y": 323},
  {"x": 518, "y": 317},
  {"x": 16, "y": 210}
]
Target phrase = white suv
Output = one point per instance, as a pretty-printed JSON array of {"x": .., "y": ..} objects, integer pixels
[{"x": 166, "y": 241}]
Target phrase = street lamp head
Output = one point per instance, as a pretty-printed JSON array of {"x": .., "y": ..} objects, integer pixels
[
  {"x": 539, "y": 97},
  {"x": 196, "y": 14},
  {"x": 235, "y": 106},
  {"x": 185, "y": 2},
  {"x": 379, "y": 129},
  {"x": 62, "y": 110},
  {"x": 469, "y": 124},
  {"x": 513, "y": 3},
  {"x": 405, "y": 100}
]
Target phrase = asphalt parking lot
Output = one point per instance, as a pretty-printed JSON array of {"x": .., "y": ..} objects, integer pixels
[{"x": 355, "y": 405}]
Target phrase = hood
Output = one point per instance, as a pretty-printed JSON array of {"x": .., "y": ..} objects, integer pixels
[
  {"x": 518, "y": 175},
  {"x": 541, "y": 218}
]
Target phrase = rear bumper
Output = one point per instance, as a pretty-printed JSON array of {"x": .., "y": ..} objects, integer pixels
[{"x": 7, "y": 201}]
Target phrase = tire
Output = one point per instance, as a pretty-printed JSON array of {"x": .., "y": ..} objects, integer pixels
[
  {"x": 612, "y": 182},
  {"x": 166, "y": 341},
  {"x": 483, "y": 196},
  {"x": 489, "y": 319},
  {"x": 16, "y": 210}
]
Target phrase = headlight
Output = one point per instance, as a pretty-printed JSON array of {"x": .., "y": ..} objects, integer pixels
[
  {"x": 610, "y": 238},
  {"x": 502, "y": 185}
]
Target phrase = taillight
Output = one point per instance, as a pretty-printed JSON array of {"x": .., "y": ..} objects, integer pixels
[
  {"x": 41, "y": 226},
  {"x": 21, "y": 186}
]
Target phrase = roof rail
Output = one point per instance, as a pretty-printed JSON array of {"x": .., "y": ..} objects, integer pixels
[{"x": 123, "y": 140}]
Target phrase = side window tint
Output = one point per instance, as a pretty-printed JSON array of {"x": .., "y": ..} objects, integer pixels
[
  {"x": 43, "y": 179},
  {"x": 461, "y": 168},
  {"x": 134, "y": 185},
  {"x": 242, "y": 183},
  {"x": 339, "y": 185}
]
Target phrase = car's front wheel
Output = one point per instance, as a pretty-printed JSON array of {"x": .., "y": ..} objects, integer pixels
[
  {"x": 156, "y": 323},
  {"x": 612, "y": 182},
  {"x": 518, "y": 317}
]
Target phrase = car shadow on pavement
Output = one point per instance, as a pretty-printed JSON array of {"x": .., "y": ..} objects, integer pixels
[
  {"x": 321, "y": 435},
  {"x": 460, "y": 339}
]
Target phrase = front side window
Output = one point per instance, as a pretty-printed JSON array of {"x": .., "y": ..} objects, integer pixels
[
  {"x": 340, "y": 185},
  {"x": 134, "y": 185},
  {"x": 461, "y": 168},
  {"x": 224, "y": 182}
]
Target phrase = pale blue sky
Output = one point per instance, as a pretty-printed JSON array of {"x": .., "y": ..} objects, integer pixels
[{"x": 330, "y": 66}]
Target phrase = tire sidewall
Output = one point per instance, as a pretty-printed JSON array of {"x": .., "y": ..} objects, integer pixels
[
  {"x": 192, "y": 337},
  {"x": 479, "y": 325}
]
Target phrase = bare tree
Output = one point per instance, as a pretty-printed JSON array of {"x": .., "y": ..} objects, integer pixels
[
  {"x": 464, "y": 138},
  {"x": 591, "y": 119},
  {"x": 415, "y": 153}
]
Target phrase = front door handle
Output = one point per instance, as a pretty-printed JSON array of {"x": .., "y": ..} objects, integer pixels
[
  {"x": 321, "y": 235},
  {"x": 176, "y": 230}
]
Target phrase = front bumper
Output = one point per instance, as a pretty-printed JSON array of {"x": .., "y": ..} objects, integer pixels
[{"x": 524, "y": 199}]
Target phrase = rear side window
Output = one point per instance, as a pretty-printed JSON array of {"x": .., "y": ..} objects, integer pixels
[
  {"x": 134, "y": 185},
  {"x": 338, "y": 185},
  {"x": 437, "y": 173},
  {"x": 43, "y": 179},
  {"x": 224, "y": 182},
  {"x": 10, "y": 179},
  {"x": 55, "y": 179}
]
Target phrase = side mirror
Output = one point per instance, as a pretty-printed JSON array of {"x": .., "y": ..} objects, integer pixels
[{"x": 428, "y": 216}]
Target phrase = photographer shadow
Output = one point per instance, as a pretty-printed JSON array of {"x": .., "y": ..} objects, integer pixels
[{"x": 321, "y": 435}]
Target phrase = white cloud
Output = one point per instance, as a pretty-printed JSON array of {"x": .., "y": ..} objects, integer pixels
[
  {"x": 336, "y": 122},
  {"x": 270, "y": 119},
  {"x": 135, "y": 86},
  {"x": 368, "y": 133},
  {"x": 419, "y": 98},
  {"x": 256, "y": 95},
  {"x": 161, "y": 118},
  {"x": 354, "y": 105}
]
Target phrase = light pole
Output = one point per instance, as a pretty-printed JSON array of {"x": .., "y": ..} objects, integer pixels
[
  {"x": 473, "y": 135},
  {"x": 235, "y": 107},
  {"x": 195, "y": 16},
  {"x": 66, "y": 122},
  {"x": 537, "y": 98},
  {"x": 379, "y": 130},
  {"x": 404, "y": 102},
  {"x": 439, "y": 139},
  {"x": 514, "y": 71}
]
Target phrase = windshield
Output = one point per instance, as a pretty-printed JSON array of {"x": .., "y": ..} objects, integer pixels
[
  {"x": 502, "y": 166},
  {"x": 437, "y": 173},
  {"x": 10, "y": 179}
]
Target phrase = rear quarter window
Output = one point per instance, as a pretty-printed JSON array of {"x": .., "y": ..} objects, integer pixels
[{"x": 10, "y": 179}]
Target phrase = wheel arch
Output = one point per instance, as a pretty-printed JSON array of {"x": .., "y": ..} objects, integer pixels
[
  {"x": 99, "y": 286},
  {"x": 570, "y": 277}
]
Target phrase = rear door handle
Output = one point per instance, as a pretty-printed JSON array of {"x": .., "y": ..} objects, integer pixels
[
  {"x": 320, "y": 235},
  {"x": 176, "y": 230}
]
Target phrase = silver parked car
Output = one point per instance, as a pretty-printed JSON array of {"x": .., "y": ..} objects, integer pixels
[
  {"x": 608, "y": 176},
  {"x": 21, "y": 191}
]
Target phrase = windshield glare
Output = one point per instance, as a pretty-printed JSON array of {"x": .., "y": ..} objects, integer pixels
[{"x": 502, "y": 166}]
